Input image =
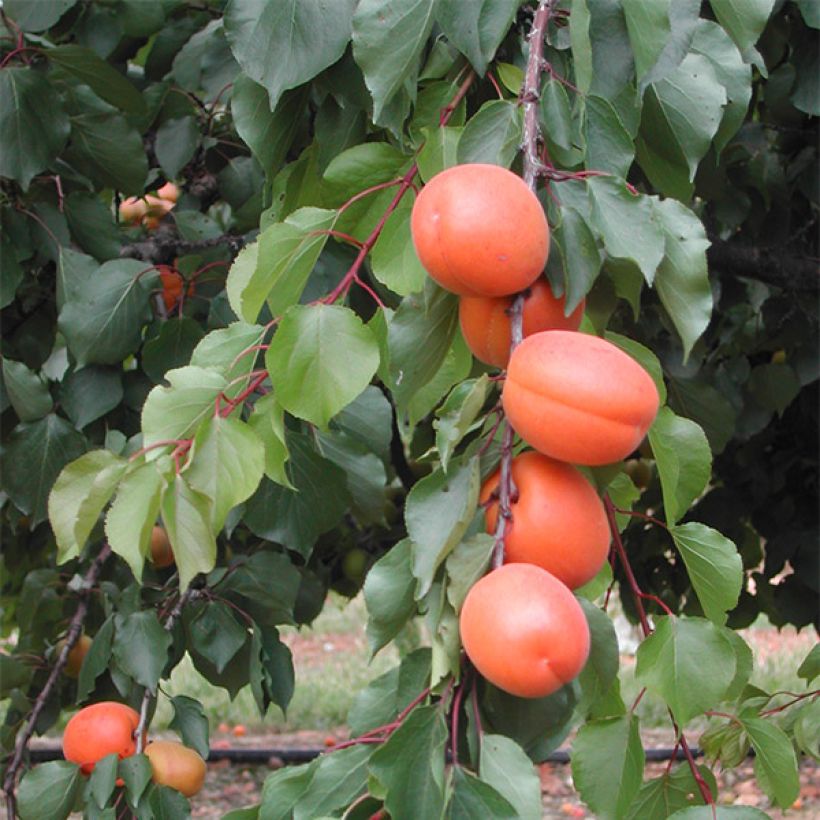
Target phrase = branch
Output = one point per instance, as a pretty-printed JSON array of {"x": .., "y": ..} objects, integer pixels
[
  {"x": 165, "y": 244},
  {"x": 771, "y": 265},
  {"x": 75, "y": 629}
]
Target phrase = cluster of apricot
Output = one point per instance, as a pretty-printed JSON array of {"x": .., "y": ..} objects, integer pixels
[
  {"x": 150, "y": 209},
  {"x": 575, "y": 398}
]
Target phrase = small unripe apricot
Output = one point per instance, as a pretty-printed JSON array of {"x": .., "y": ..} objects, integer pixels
[
  {"x": 161, "y": 553},
  {"x": 578, "y": 398},
  {"x": 480, "y": 231},
  {"x": 558, "y": 523},
  {"x": 177, "y": 766},
  {"x": 485, "y": 321},
  {"x": 524, "y": 630}
]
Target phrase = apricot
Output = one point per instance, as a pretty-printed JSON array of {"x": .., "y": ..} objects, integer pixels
[
  {"x": 524, "y": 630},
  {"x": 76, "y": 655},
  {"x": 98, "y": 730},
  {"x": 578, "y": 398},
  {"x": 177, "y": 766},
  {"x": 479, "y": 230},
  {"x": 558, "y": 523},
  {"x": 169, "y": 191},
  {"x": 157, "y": 206},
  {"x": 161, "y": 553},
  {"x": 132, "y": 210},
  {"x": 485, "y": 322}
]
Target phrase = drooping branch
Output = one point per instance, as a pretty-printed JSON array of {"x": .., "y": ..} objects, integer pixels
[
  {"x": 75, "y": 629},
  {"x": 771, "y": 265}
]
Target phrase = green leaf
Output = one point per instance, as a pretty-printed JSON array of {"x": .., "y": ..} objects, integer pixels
[
  {"x": 141, "y": 647},
  {"x": 103, "y": 314},
  {"x": 574, "y": 250},
  {"x": 14, "y": 674},
  {"x": 601, "y": 667},
  {"x": 649, "y": 29},
  {"x": 807, "y": 719},
  {"x": 36, "y": 16},
  {"x": 709, "y": 407},
  {"x": 48, "y": 790},
  {"x": 810, "y": 668},
  {"x": 743, "y": 19},
  {"x": 719, "y": 813},
  {"x": 684, "y": 16},
  {"x": 283, "y": 45},
  {"x": 174, "y": 412},
  {"x": 775, "y": 761},
  {"x": 439, "y": 152},
  {"x": 394, "y": 260},
  {"x": 492, "y": 135},
  {"x": 34, "y": 126},
  {"x": 268, "y": 422},
  {"x": 227, "y": 465},
  {"x": 581, "y": 45},
  {"x": 683, "y": 459},
  {"x": 504, "y": 766},
  {"x": 607, "y": 764},
  {"x": 457, "y": 415},
  {"x": 465, "y": 565},
  {"x": 474, "y": 798},
  {"x": 176, "y": 143},
  {"x": 682, "y": 280},
  {"x": 278, "y": 266},
  {"x": 388, "y": 38},
  {"x": 27, "y": 391},
  {"x": 33, "y": 455},
  {"x": 774, "y": 386},
  {"x": 90, "y": 393},
  {"x": 662, "y": 796},
  {"x": 409, "y": 766},
  {"x": 187, "y": 516},
  {"x": 167, "y": 803},
  {"x": 92, "y": 226},
  {"x": 271, "y": 670},
  {"x": 389, "y": 592},
  {"x": 670, "y": 663},
  {"x": 226, "y": 350},
  {"x": 338, "y": 779},
  {"x": 714, "y": 566},
  {"x": 172, "y": 347},
  {"x": 268, "y": 584},
  {"x": 476, "y": 28},
  {"x": 97, "y": 659},
  {"x": 216, "y": 634},
  {"x": 103, "y": 779},
  {"x": 81, "y": 491},
  {"x": 191, "y": 723},
  {"x": 627, "y": 224},
  {"x": 136, "y": 773},
  {"x": 282, "y": 790},
  {"x": 681, "y": 114},
  {"x": 438, "y": 510},
  {"x": 103, "y": 79},
  {"x": 369, "y": 419},
  {"x": 745, "y": 664},
  {"x": 133, "y": 514},
  {"x": 609, "y": 144}
]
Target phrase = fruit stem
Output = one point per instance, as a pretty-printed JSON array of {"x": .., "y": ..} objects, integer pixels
[{"x": 74, "y": 631}]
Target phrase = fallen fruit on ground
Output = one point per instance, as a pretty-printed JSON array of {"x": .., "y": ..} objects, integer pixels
[
  {"x": 480, "y": 231},
  {"x": 558, "y": 523},
  {"x": 161, "y": 553},
  {"x": 485, "y": 321},
  {"x": 76, "y": 656},
  {"x": 98, "y": 730},
  {"x": 524, "y": 630},
  {"x": 578, "y": 398},
  {"x": 177, "y": 766}
]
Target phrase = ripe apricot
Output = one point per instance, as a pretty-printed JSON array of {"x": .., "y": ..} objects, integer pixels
[
  {"x": 169, "y": 191},
  {"x": 485, "y": 323},
  {"x": 161, "y": 553},
  {"x": 480, "y": 231},
  {"x": 132, "y": 210},
  {"x": 76, "y": 655},
  {"x": 177, "y": 766},
  {"x": 578, "y": 398},
  {"x": 98, "y": 730},
  {"x": 524, "y": 631},
  {"x": 559, "y": 522}
]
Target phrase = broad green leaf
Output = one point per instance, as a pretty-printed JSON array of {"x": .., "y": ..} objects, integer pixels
[
  {"x": 409, "y": 766},
  {"x": 613, "y": 61},
  {"x": 141, "y": 647},
  {"x": 601, "y": 667},
  {"x": 103, "y": 315},
  {"x": 320, "y": 359},
  {"x": 36, "y": 16},
  {"x": 649, "y": 28},
  {"x": 581, "y": 44},
  {"x": 33, "y": 456},
  {"x": 474, "y": 798},
  {"x": 388, "y": 38},
  {"x": 504, "y": 766},
  {"x": 215, "y": 633},
  {"x": 92, "y": 225},
  {"x": 283, "y": 788},
  {"x": 338, "y": 779},
  {"x": 442, "y": 625},
  {"x": 809, "y": 670},
  {"x": 744, "y": 667},
  {"x": 440, "y": 151},
  {"x": 171, "y": 347},
  {"x": 437, "y": 513},
  {"x": 227, "y": 350},
  {"x": 271, "y": 670},
  {"x": 806, "y": 723},
  {"x": 476, "y": 27},
  {"x": 683, "y": 459},
  {"x": 457, "y": 414},
  {"x": 716, "y": 812},
  {"x": 360, "y": 167},
  {"x": 174, "y": 412},
  {"x": 607, "y": 764},
  {"x": 90, "y": 393},
  {"x": 166, "y": 802},
  {"x": 268, "y": 584},
  {"x": 660, "y": 797},
  {"x": 103, "y": 779},
  {"x": 33, "y": 124},
  {"x": 389, "y": 592},
  {"x": 560, "y": 129},
  {"x": 73, "y": 271},
  {"x": 81, "y": 491},
  {"x": 11, "y": 272},
  {"x": 227, "y": 464},
  {"x": 714, "y": 566},
  {"x": 133, "y": 514},
  {"x": 49, "y": 790},
  {"x": 670, "y": 663},
  {"x": 574, "y": 250},
  {"x": 709, "y": 407},
  {"x": 465, "y": 565},
  {"x": 394, "y": 260},
  {"x": 681, "y": 114},
  {"x": 97, "y": 660},
  {"x": 684, "y": 16},
  {"x": 627, "y": 224},
  {"x": 176, "y": 143},
  {"x": 205, "y": 64},
  {"x": 187, "y": 517},
  {"x": 492, "y": 135},
  {"x": 103, "y": 79},
  {"x": 609, "y": 144},
  {"x": 14, "y": 674},
  {"x": 27, "y": 391},
  {"x": 775, "y": 761},
  {"x": 682, "y": 279},
  {"x": 283, "y": 45},
  {"x": 743, "y": 19},
  {"x": 191, "y": 723},
  {"x": 136, "y": 773},
  {"x": 268, "y": 422}
]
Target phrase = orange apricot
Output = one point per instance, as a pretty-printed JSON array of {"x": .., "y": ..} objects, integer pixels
[
  {"x": 524, "y": 630},
  {"x": 161, "y": 553},
  {"x": 132, "y": 210},
  {"x": 99, "y": 730},
  {"x": 177, "y": 766},
  {"x": 558, "y": 523},
  {"x": 578, "y": 398},
  {"x": 76, "y": 655},
  {"x": 479, "y": 230},
  {"x": 168, "y": 191}
]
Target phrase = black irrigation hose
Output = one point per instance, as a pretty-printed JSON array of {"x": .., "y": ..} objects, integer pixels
[{"x": 293, "y": 756}]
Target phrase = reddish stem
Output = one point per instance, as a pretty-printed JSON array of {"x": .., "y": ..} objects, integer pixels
[
  {"x": 231, "y": 404},
  {"x": 339, "y": 235},
  {"x": 496, "y": 86},
  {"x": 642, "y": 516},
  {"x": 163, "y": 443}
]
